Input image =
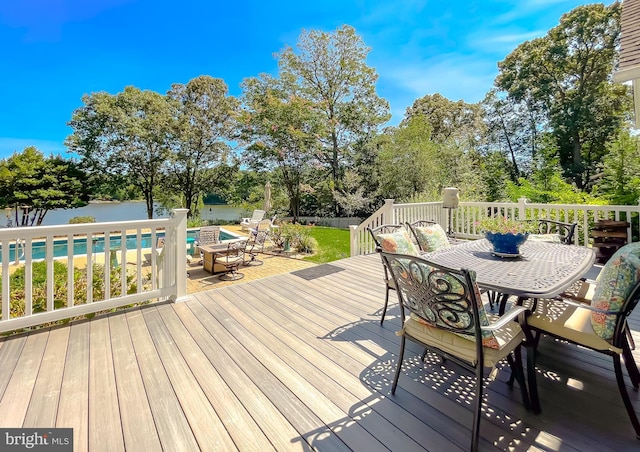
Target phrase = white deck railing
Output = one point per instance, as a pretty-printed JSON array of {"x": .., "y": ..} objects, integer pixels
[
  {"x": 108, "y": 276},
  {"x": 463, "y": 219}
]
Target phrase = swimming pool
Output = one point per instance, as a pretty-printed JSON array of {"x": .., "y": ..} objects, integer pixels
[{"x": 60, "y": 247}]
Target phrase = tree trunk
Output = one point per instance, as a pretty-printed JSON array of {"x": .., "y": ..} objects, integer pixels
[
  {"x": 149, "y": 202},
  {"x": 515, "y": 171},
  {"x": 335, "y": 167},
  {"x": 576, "y": 159}
]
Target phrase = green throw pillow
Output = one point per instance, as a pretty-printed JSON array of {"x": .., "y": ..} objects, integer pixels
[
  {"x": 431, "y": 238},
  {"x": 614, "y": 285}
]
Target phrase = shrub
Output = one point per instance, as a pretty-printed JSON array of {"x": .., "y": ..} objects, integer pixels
[
  {"x": 298, "y": 236},
  {"x": 78, "y": 220},
  {"x": 307, "y": 244}
]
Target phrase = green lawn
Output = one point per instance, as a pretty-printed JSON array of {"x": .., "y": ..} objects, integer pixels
[{"x": 333, "y": 244}]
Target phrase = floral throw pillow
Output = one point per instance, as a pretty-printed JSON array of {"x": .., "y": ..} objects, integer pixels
[
  {"x": 614, "y": 285},
  {"x": 397, "y": 242},
  {"x": 431, "y": 238}
]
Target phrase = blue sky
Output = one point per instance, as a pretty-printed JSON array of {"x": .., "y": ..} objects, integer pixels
[{"x": 55, "y": 51}]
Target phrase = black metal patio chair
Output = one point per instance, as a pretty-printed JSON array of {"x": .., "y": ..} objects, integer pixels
[
  {"x": 231, "y": 259},
  {"x": 391, "y": 237},
  {"x": 448, "y": 318},
  {"x": 256, "y": 242},
  {"x": 563, "y": 230},
  {"x": 595, "y": 316}
]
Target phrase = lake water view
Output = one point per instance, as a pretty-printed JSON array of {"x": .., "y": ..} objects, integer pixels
[{"x": 132, "y": 210}]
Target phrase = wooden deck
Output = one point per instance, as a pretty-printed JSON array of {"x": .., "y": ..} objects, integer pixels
[{"x": 285, "y": 363}]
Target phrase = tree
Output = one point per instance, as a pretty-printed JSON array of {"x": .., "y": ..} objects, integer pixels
[
  {"x": 281, "y": 129},
  {"x": 331, "y": 71},
  {"x": 205, "y": 119},
  {"x": 457, "y": 121},
  {"x": 495, "y": 176},
  {"x": 407, "y": 160},
  {"x": 567, "y": 75},
  {"x": 32, "y": 184},
  {"x": 352, "y": 197},
  {"x": 124, "y": 135},
  {"x": 619, "y": 178},
  {"x": 511, "y": 129}
]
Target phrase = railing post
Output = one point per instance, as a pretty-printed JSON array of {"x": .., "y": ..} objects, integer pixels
[
  {"x": 522, "y": 208},
  {"x": 353, "y": 240},
  {"x": 180, "y": 262},
  {"x": 387, "y": 212}
]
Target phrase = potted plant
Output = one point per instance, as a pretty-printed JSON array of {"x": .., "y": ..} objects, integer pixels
[{"x": 505, "y": 234}]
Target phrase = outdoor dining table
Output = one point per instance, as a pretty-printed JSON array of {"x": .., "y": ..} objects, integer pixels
[{"x": 542, "y": 270}]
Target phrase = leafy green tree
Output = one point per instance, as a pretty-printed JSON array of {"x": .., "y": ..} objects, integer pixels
[
  {"x": 352, "y": 197},
  {"x": 495, "y": 176},
  {"x": 281, "y": 129},
  {"x": 124, "y": 135},
  {"x": 511, "y": 129},
  {"x": 407, "y": 159},
  {"x": 205, "y": 122},
  {"x": 412, "y": 167},
  {"x": 33, "y": 184},
  {"x": 331, "y": 71},
  {"x": 567, "y": 76},
  {"x": 619, "y": 180},
  {"x": 546, "y": 184},
  {"x": 459, "y": 121}
]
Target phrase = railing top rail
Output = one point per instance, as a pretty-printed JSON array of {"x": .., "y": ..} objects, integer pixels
[
  {"x": 434, "y": 203},
  {"x": 30, "y": 232},
  {"x": 576, "y": 206}
]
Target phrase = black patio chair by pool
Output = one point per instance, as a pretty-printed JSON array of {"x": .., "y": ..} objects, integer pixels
[
  {"x": 231, "y": 259},
  {"x": 447, "y": 318},
  {"x": 391, "y": 238},
  {"x": 256, "y": 242}
]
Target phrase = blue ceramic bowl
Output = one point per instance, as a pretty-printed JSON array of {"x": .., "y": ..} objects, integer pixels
[{"x": 506, "y": 243}]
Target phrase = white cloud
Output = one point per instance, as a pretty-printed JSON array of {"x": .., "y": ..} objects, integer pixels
[
  {"x": 457, "y": 77},
  {"x": 511, "y": 40}
]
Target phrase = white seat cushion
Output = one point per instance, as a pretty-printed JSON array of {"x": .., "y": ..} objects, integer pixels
[
  {"x": 568, "y": 321},
  {"x": 508, "y": 339}
]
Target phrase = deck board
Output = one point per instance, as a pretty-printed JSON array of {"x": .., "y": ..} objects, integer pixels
[
  {"x": 16, "y": 398},
  {"x": 326, "y": 405},
  {"x": 9, "y": 355},
  {"x": 104, "y": 410},
  {"x": 285, "y": 363},
  {"x": 73, "y": 409},
  {"x": 226, "y": 372},
  {"x": 171, "y": 424},
  {"x": 233, "y": 417},
  {"x": 283, "y": 398},
  {"x": 138, "y": 427},
  {"x": 43, "y": 407}
]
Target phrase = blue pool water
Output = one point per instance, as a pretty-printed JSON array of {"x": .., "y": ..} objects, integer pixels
[{"x": 97, "y": 246}]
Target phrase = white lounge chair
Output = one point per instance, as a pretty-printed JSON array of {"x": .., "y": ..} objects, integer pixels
[{"x": 251, "y": 223}]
